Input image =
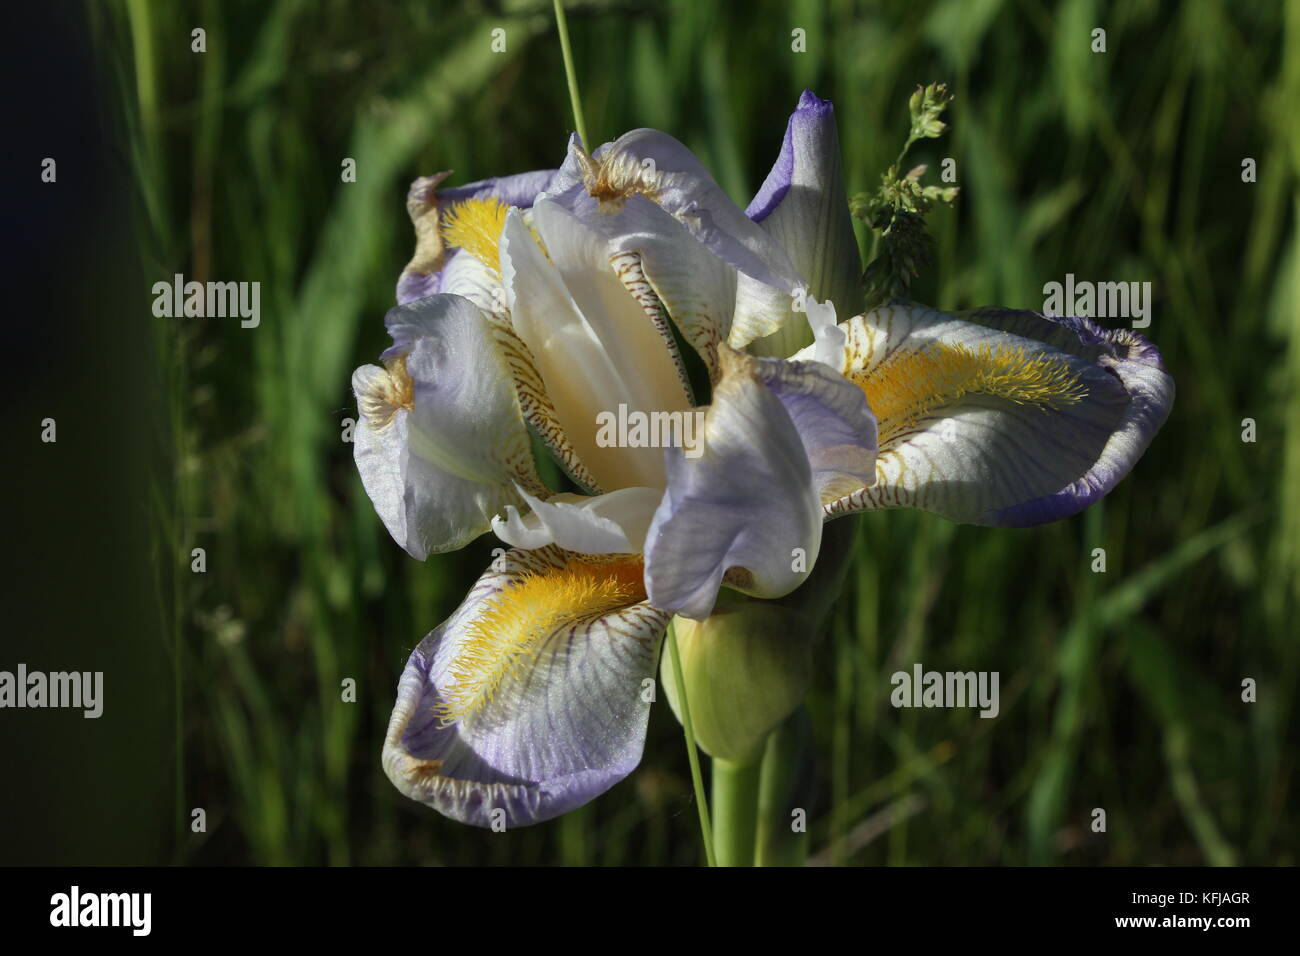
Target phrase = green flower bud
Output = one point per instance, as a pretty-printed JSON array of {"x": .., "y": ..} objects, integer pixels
[
  {"x": 748, "y": 667},
  {"x": 745, "y": 670}
]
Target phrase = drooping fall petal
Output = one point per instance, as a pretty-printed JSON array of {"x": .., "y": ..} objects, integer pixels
[
  {"x": 531, "y": 699},
  {"x": 1001, "y": 417}
]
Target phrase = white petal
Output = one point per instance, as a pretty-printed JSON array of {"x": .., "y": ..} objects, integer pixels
[
  {"x": 613, "y": 523},
  {"x": 439, "y": 442},
  {"x": 779, "y": 438},
  {"x": 803, "y": 205},
  {"x": 593, "y": 346}
]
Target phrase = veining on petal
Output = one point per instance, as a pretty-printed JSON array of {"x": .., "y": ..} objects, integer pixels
[
  {"x": 516, "y": 624},
  {"x": 908, "y": 386}
]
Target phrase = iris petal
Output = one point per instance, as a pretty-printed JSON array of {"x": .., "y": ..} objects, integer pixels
[
  {"x": 436, "y": 267},
  {"x": 530, "y": 700},
  {"x": 803, "y": 205},
  {"x": 697, "y": 288},
  {"x": 440, "y": 443},
  {"x": 779, "y": 438},
  {"x": 613, "y": 523},
  {"x": 1000, "y": 417},
  {"x": 650, "y": 163},
  {"x": 572, "y": 311}
]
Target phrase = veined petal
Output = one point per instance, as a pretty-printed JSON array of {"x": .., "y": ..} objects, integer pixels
[
  {"x": 429, "y": 270},
  {"x": 530, "y": 699},
  {"x": 779, "y": 439},
  {"x": 662, "y": 264},
  {"x": 613, "y": 523},
  {"x": 1001, "y": 417},
  {"x": 440, "y": 443},
  {"x": 803, "y": 205},
  {"x": 649, "y": 163},
  {"x": 591, "y": 343}
]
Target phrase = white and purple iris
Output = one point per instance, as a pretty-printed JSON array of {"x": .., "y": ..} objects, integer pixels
[{"x": 536, "y": 302}]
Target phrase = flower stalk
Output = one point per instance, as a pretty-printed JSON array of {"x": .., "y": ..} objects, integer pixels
[
  {"x": 571, "y": 74},
  {"x": 735, "y": 809},
  {"x": 692, "y": 752},
  {"x": 783, "y": 794}
]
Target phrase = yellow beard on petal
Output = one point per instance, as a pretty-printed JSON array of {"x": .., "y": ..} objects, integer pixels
[
  {"x": 909, "y": 386},
  {"x": 513, "y": 627},
  {"x": 475, "y": 225}
]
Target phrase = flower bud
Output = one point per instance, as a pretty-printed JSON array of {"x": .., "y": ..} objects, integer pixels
[
  {"x": 745, "y": 669},
  {"x": 748, "y": 666}
]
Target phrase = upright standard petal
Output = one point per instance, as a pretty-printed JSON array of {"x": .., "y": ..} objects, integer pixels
[
  {"x": 804, "y": 206},
  {"x": 440, "y": 443},
  {"x": 646, "y": 162},
  {"x": 530, "y": 700},
  {"x": 780, "y": 440},
  {"x": 429, "y": 270},
  {"x": 664, "y": 266},
  {"x": 1000, "y": 417},
  {"x": 571, "y": 310}
]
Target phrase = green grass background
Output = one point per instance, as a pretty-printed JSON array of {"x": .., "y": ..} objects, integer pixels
[{"x": 1119, "y": 690}]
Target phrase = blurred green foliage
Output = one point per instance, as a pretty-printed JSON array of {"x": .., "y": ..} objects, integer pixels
[{"x": 1119, "y": 690}]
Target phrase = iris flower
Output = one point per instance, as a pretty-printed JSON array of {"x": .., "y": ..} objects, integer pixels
[{"x": 535, "y": 303}]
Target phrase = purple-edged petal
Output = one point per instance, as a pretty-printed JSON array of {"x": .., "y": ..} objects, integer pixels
[
  {"x": 461, "y": 274},
  {"x": 803, "y": 205},
  {"x": 440, "y": 443},
  {"x": 1000, "y": 417},
  {"x": 780, "y": 439},
  {"x": 531, "y": 699},
  {"x": 520, "y": 190},
  {"x": 649, "y": 163},
  {"x": 430, "y": 270}
]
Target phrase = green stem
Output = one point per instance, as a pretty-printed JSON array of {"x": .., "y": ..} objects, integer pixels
[
  {"x": 697, "y": 778},
  {"x": 571, "y": 75},
  {"x": 735, "y": 809},
  {"x": 783, "y": 797}
]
